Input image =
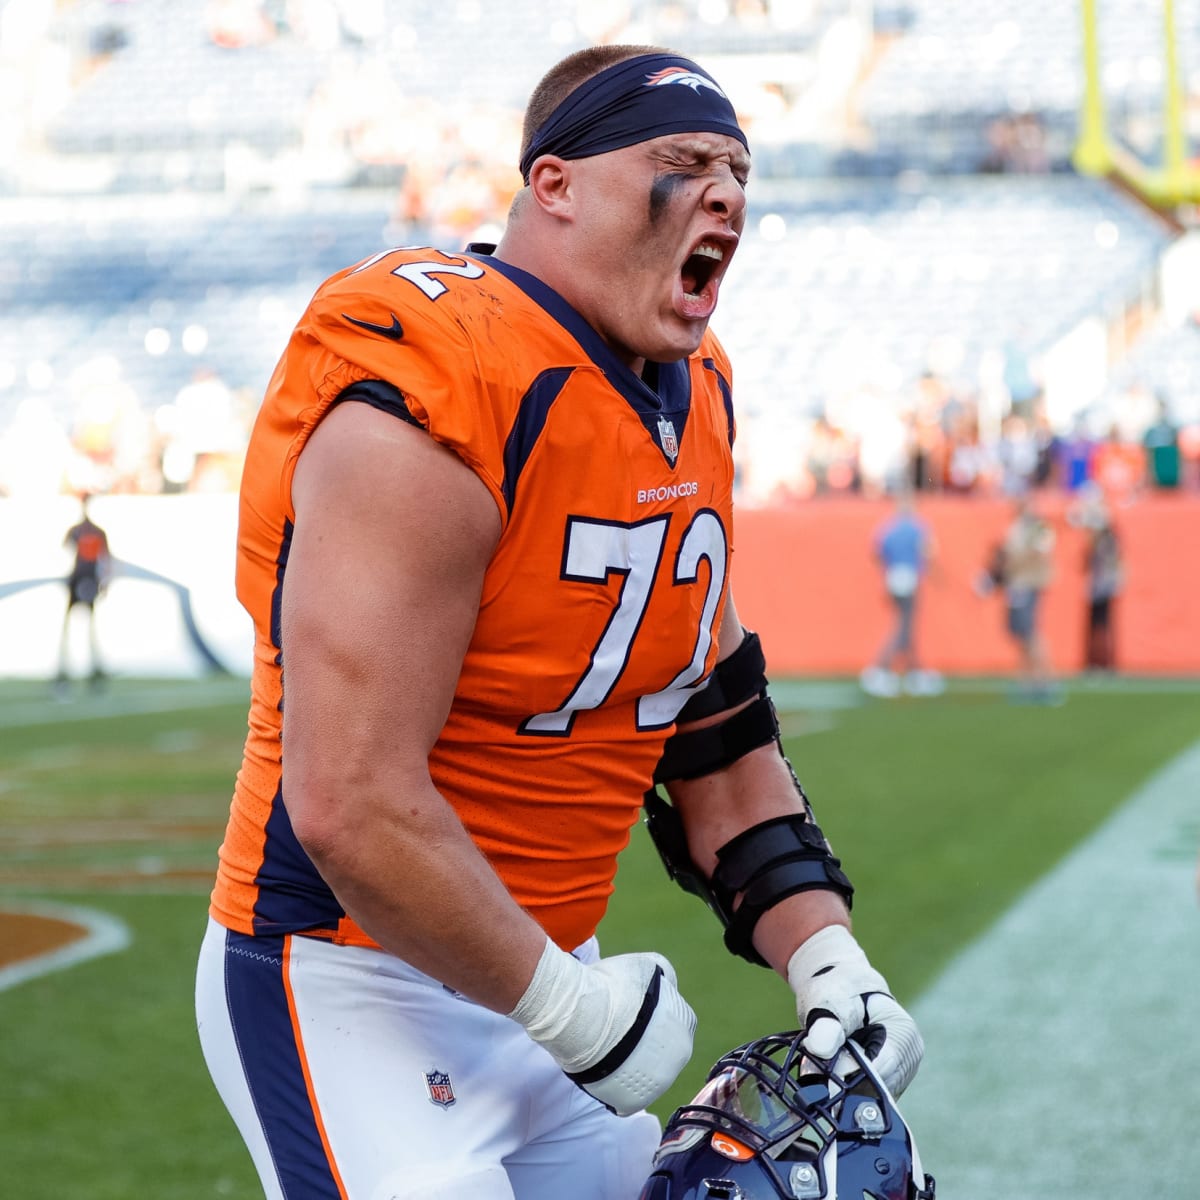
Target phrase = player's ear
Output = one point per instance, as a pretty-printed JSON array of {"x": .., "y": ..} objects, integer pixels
[{"x": 550, "y": 184}]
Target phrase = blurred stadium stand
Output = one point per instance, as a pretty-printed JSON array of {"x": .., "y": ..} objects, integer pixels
[
  {"x": 88, "y": 280},
  {"x": 962, "y": 86},
  {"x": 176, "y": 179},
  {"x": 894, "y": 265},
  {"x": 1165, "y": 361}
]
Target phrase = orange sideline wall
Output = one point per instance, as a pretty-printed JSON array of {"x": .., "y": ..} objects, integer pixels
[{"x": 806, "y": 579}]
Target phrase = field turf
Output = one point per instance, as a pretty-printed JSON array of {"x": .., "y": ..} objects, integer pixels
[{"x": 943, "y": 810}]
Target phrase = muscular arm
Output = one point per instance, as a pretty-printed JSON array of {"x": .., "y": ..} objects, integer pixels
[
  {"x": 806, "y": 936},
  {"x": 757, "y": 787},
  {"x": 392, "y": 536}
]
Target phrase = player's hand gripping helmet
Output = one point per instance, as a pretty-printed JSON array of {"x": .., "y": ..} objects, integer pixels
[{"x": 772, "y": 1122}]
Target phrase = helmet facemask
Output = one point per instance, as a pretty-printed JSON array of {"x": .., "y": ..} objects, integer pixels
[{"x": 773, "y": 1123}]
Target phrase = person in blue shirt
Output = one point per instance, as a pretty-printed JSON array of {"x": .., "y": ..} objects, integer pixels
[
  {"x": 904, "y": 548},
  {"x": 1075, "y": 452}
]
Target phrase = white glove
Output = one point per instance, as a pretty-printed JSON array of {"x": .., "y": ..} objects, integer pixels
[
  {"x": 838, "y": 992},
  {"x": 619, "y": 1028}
]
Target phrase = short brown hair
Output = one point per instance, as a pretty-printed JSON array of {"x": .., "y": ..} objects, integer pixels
[{"x": 563, "y": 78}]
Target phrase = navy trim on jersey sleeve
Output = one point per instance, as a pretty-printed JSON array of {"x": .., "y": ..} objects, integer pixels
[
  {"x": 726, "y": 396},
  {"x": 292, "y": 896},
  {"x": 527, "y": 428},
  {"x": 380, "y": 394},
  {"x": 281, "y": 559}
]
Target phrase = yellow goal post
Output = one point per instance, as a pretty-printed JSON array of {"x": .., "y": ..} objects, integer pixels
[{"x": 1175, "y": 180}]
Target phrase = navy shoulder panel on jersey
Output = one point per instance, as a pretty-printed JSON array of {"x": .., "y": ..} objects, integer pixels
[
  {"x": 531, "y": 419},
  {"x": 726, "y": 396},
  {"x": 380, "y": 394}
]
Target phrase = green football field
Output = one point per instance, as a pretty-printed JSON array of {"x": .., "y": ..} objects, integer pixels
[{"x": 945, "y": 811}]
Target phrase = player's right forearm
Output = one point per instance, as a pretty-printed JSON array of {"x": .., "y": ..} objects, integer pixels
[{"x": 410, "y": 876}]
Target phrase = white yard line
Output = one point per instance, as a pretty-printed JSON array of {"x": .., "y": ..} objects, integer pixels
[
  {"x": 121, "y": 698},
  {"x": 105, "y": 934},
  {"x": 1063, "y": 1058}
]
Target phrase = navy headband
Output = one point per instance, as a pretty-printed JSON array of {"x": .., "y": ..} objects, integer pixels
[{"x": 633, "y": 101}]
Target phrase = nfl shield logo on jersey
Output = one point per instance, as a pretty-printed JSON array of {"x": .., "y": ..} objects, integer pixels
[
  {"x": 667, "y": 438},
  {"x": 441, "y": 1090}
]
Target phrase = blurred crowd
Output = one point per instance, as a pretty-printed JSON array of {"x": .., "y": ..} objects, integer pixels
[
  {"x": 937, "y": 438},
  {"x": 451, "y": 164},
  {"x": 928, "y": 440},
  {"x": 454, "y": 160},
  {"x": 364, "y": 119},
  {"x": 115, "y": 443}
]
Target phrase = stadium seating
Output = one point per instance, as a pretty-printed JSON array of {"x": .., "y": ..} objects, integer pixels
[
  {"x": 1166, "y": 362},
  {"x": 72, "y": 295},
  {"x": 869, "y": 275},
  {"x": 900, "y": 263},
  {"x": 194, "y": 93},
  {"x": 952, "y": 69},
  {"x": 856, "y": 269}
]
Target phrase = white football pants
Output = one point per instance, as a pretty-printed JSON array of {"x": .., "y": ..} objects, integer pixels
[{"x": 352, "y": 1076}]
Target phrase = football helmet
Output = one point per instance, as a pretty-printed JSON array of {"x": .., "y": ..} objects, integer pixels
[{"x": 773, "y": 1123}]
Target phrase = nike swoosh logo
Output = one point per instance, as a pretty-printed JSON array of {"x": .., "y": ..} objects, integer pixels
[{"x": 394, "y": 331}]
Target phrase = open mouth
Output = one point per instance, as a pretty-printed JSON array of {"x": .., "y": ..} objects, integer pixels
[{"x": 700, "y": 269}]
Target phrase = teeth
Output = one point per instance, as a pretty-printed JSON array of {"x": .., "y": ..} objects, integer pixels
[{"x": 705, "y": 250}]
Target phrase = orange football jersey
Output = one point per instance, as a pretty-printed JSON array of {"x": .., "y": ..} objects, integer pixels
[{"x": 599, "y": 608}]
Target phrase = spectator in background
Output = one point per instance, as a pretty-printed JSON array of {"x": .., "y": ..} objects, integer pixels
[
  {"x": 832, "y": 458},
  {"x": 967, "y": 459},
  {"x": 1016, "y": 145},
  {"x": 881, "y": 446},
  {"x": 1117, "y": 466},
  {"x": 1105, "y": 576},
  {"x": 1028, "y": 155},
  {"x": 1017, "y": 453},
  {"x": 926, "y": 438},
  {"x": 1189, "y": 455},
  {"x": 85, "y": 584},
  {"x": 1161, "y": 443},
  {"x": 1020, "y": 375},
  {"x": 1046, "y": 443},
  {"x": 904, "y": 547},
  {"x": 234, "y": 24},
  {"x": 203, "y": 434},
  {"x": 1026, "y": 570},
  {"x": 1075, "y": 452},
  {"x": 999, "y": 154}
]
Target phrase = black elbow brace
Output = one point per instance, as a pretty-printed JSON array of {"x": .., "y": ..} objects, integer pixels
[
  {"x": 764, "y": 865},
  {"x": 736, "y": 679},
  {"x": 702, "y": 751},
  {"x": 733, "y": 680},
  {"x": 767, "y": 862}
]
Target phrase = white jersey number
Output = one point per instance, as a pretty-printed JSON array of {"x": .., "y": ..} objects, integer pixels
[
  {"x": 421, "y": 274},
  {"x": 596, "y": 550}
]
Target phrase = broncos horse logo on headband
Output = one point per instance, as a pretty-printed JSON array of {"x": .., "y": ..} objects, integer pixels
[
  {"x": 692, "y": 79},
  {"x": 627, "y": 103}
]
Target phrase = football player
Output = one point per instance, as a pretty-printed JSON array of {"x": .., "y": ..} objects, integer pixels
[
  {"x": 86, "y": 583},
  {"x": 486, "y": 537}
]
